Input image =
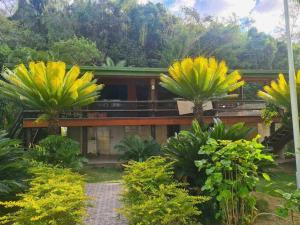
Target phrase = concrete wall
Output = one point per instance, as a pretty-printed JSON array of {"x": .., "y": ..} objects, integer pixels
[{"x": 101, "y": 140}]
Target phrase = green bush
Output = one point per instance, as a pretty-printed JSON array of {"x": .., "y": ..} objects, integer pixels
[
  {"x": 58, "y": 151},
  {"x": 183, "y": 148},
  {"x": 231, "y": 175},
  {"x": 135, "y": 148},
  {"x": 151, "y": 197},
  {"x": 56, "y": 196},
  {"x": 13, "y": 167},
  {"x": 290, "y": 206}
]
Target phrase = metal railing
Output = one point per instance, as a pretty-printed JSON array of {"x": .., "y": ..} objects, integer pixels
[{"x": 157, "y": 108}]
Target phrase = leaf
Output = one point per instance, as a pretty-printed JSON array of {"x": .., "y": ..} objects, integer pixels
[
  {"x": 243, "y": 191},
  {"x": 200, "y": 163},
  {"x": 281, "y": 211},
  {"x": 266, "y": 176}
]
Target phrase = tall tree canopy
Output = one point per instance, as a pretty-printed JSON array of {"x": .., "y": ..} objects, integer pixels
[{"x": 142, "y": 34}]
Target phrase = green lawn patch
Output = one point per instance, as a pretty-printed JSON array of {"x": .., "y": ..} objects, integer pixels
[
  {"x": 96, "y": 174},
  {"x": 283, "y": 177}
]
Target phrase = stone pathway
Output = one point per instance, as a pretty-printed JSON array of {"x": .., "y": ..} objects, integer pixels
[{"x": 104, "y": 202}]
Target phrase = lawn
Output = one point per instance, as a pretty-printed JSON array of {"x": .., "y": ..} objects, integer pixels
[
  {"x": 97, "y": 174},
  {"x": 283, "y": 177}
]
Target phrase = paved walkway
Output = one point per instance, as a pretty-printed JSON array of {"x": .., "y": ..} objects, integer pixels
[{"x": 105, "y": 201}]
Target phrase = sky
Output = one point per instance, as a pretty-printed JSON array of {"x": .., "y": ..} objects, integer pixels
[{"x": 266, "y": 14}]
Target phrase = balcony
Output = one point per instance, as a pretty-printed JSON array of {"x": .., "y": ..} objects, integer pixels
[{"x": 160, "y": 112}]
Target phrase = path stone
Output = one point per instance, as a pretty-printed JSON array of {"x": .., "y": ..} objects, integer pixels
[{"x": 104, "y": 202}]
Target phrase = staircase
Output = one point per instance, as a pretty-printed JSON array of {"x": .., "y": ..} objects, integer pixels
[{"x": 278, "y": 139}]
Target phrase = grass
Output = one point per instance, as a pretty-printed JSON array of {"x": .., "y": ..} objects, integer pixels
[
  {"x": 283, "y": 177},
  {"x": 96, "y": 174}
]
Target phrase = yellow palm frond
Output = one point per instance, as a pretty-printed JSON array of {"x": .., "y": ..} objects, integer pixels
[
  {"x": 200, "y": 79},
  {"x": 48, "y": 87},
  {"x": 278, "y": 92}
]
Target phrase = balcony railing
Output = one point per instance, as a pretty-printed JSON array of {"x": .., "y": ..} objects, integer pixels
[{"x": 158, "y": 108}]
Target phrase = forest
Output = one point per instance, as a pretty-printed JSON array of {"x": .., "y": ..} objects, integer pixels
[{"x": 87, "y": 32}]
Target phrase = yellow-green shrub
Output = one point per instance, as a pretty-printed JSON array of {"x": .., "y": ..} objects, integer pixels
[
  {"x": 56, "y": 197},
  {"x": 152, "y": 197}
]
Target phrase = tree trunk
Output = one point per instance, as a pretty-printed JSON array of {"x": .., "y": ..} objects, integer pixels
[
  {"x": 53, "y": 127},
  {"x": 198, "y": 113}
]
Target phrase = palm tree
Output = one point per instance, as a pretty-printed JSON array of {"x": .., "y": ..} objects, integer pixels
[
  {"x": 49, "y": 88},
  {"x": 201, "y": 79},
  {"x": 278, "y": 92}
]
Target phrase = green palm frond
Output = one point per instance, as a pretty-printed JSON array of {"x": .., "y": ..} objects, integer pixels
[
  {"x": 49, "y": 88},
  {"x": 278, "y": 92},
  {"x": 13, "y": 168},
  {"x": 200, "y": 79}
]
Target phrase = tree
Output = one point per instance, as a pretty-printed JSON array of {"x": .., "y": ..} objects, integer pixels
[
  {"x": 25, "y": 55},
  {"x": 49, "y": 88},
  {"x": 200, "y": 79},
  {"x": 79, "y": 51},
  {"x": 259, "y": 51}
]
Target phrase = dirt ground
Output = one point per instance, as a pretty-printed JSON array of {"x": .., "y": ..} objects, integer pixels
[{"x": 273, "y": 203}]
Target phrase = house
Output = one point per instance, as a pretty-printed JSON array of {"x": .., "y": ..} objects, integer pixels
[{"x": 133, "y": 102}]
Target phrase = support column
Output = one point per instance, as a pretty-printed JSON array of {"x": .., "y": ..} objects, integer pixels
[
  {"x": 84, "y": 142},
  {"x": 153, "y": 98}
]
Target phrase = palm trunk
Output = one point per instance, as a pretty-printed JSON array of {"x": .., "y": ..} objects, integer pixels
[
  {"x": 198, "y": 113},
  {"x": 53, "y": 127}
]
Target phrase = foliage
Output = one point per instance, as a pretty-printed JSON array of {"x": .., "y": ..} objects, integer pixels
[
  {"x": 8, "y": 113},
  {"x": 152, "y": 197},
  {"x": 183, "y": 148},
  {"x": 13, "y": 167},
  {"x": 268, "y": 113},
  {"x": 232, "y": 174},
  {"x": 291, "y": 205},
  {"x": 250, "y": 89},
  {"x": 25, "y": 55},
  {"x": 135, "y": 148},
  {"x": 5, "y": 50},
  {"x": 79, "y": 51},
  {"x": 58, "y": 151},
  {"x": 56, "y": 196},
  {"x": 49, "y": 88},
  {"x": 200, "y": 79},
  {"x": 110, "y": 63},
  {"x": 143, "y": 34},
  {"x": 278, "y": 93},
  {"x": 259, "y": 51}
]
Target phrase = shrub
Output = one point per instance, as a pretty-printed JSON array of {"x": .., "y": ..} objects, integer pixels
[
  {"x": 13, "y": 167},
  {"x": 56, "y": 196},
  {"x": 152, "y": 197},
  {"x": 183, "y": 148},
  {"x": 231, "y": 175},
  {"x": 58, "y": 151},
  {"x": 291, "y": 205},
  {"x": 135, "y": 148}
]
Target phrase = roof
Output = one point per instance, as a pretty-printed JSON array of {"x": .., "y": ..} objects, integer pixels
[{"x": 155, "y": 72}]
